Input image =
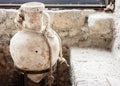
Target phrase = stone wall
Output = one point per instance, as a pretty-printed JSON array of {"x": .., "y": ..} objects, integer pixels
[
  {"x": 116, "y": 45},
  {"x": 83, "y": 28},
  {"x": 80, "y": 28}
]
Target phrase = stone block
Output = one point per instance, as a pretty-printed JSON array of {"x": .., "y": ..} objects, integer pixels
[
  {"x": 100, "y": 23},
  {"x": 2, "y": 16},
  {"x": 116, "y": 44},
  {"x": 87, "y": 12},
  {"x": 67, "y": 19},
  {"x": 78, "y": 19},
  {"x": 74, "y": 32},
  {"x": 117, "y": 5},
  {"x": 7, "y": 25},
  {"x": 62, "y": 20}
]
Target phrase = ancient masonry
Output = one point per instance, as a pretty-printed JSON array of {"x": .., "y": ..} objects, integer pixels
[{"x": 77, "y": 28}]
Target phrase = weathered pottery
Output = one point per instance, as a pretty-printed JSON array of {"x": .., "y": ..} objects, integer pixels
[{"x": 28, "y": 47}]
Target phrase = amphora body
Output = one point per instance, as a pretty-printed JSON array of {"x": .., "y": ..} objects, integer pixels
[{"x": 28, "y": 47}]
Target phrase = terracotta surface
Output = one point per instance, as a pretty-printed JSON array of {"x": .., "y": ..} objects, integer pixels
[{"x": 28, "y": 47}]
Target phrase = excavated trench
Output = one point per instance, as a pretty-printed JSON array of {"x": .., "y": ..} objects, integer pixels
[{"x": 92, "y": 63}]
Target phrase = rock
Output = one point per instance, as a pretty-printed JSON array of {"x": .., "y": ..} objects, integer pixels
[
  {"x": 100, "y": 23},
  {"x": 68, "y": 19},
  {"x": 116, "y": 44},
  {"x": 3, "y": 16}
]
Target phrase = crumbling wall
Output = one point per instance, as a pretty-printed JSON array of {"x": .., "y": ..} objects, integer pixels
[
  {"x": 80, "y": 28},
  {"x": 83, "y": 28}
]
